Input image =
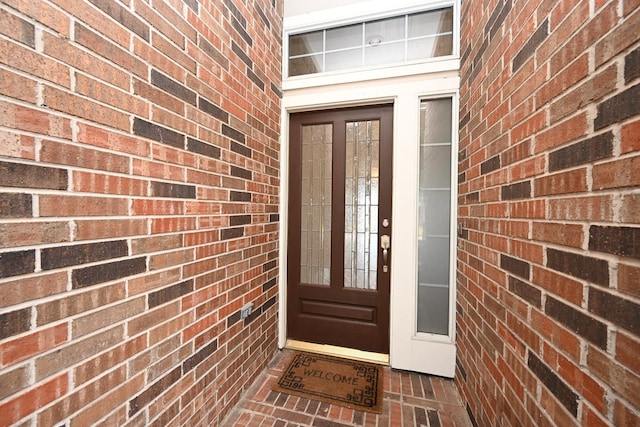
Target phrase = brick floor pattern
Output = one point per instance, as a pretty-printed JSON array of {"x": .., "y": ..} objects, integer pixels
[{"x": 410, "y": 399}]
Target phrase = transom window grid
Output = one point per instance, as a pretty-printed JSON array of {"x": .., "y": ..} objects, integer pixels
[{"x": 405, "y": 38}]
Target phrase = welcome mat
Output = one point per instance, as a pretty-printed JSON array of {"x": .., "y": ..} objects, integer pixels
[{"x": 349, "y": 383}]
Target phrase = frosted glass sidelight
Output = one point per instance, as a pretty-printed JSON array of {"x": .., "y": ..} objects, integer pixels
[
  {"x": 361, "y": 204},
  {"x": 437, "y": 160},
  {"x": 435, "y": 205},
  {"x": 434, "y": 217},
  {"x": 315, "y": 233}
]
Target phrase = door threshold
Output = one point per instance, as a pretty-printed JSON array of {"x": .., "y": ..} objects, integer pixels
[{"x": 332, "y": 350}]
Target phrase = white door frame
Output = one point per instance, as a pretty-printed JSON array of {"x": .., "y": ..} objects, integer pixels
[{"x": 408, "y": 350}]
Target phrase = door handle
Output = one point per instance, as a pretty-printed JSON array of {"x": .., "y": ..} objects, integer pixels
[{"x": 385, "y": 244}]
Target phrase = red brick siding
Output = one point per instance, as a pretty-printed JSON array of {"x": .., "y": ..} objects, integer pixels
[
  {"x": 548, "y": 326},
  {"x": 139, "y": 182}
]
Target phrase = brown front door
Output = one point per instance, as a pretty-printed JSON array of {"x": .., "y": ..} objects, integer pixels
[{"x": 339, "y": 219}]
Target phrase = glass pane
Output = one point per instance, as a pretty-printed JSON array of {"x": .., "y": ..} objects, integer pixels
[
  {"x": 344, "y": 37},
  {"x": 435, "y": 121},
  {"x": 413, "y": 37},
  {"x": 433, "y": 260},
  {"x": 315, "y": 242},
  {"x": 304, "y": 44},
  {"x": 343, "y": 60},
  {"x": 433, "y": 303},
  {"x": 435, "y": 159},
  {"x": 361, "y": 204},
  {"x": 430, "y": 23},
  {"x": 384, "y": 54},
  {"x": 305, "y": 65},
  {"x": 430, "y": 47},
  {"x": 385, "y": 30},
  {"x": 434, "y": 216}
]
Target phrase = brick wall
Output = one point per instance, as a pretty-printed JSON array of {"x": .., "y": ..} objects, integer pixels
[
  {"x": 549, "y": 254},
  {"x": 139, "y": 177}
]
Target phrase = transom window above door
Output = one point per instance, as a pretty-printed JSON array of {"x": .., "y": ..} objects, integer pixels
[{"x": 399, "y": 39}]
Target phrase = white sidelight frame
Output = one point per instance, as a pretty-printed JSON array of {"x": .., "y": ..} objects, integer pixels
[{"x": 405, "y": 86}]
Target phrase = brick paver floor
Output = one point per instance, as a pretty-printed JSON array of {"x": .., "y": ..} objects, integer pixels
[{"x": 410, "y": 399}]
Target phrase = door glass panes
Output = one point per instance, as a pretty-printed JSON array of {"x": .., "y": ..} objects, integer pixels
[
  {"x": 315, "y": 230},
  {"x": 413, "y": 37},
  {"x": 434, "y": 213},
  {"x": 362, "y": 182}
]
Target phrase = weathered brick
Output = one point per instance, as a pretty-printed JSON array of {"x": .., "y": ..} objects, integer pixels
[
  {"x": 80, "y": 106},
  {"x": 17, "y": 263},
  {"x": 65, "y": 306},
  {"x": 632, "y": 66},
  {"x": 18, "y": 87},
  {"x": 521, "y": 190},
  {"x": 14, "y": 322},
  {"x": 559, "y": 233},
  {"x": 587, "y": 151},
  {"x": 32, "y": 176},
  {"x": 158, "y": 133},
  {"x": 617, "y": 174},
  {"x": 240, "y": 149},
  {"x": 143, "y": 399},
  {"x": 213, "y": 53},
  {"x": 620, "y": 107},
  {"x": 518, "y": 267},
  {"x": 101, "y": 273},
  {"x": 618, "y": 40},
  {"x": 233, "y": 133},
  {"x": 595, "y": 88},
  {"x": 15, "y": 205},
  {"x": 622, "y": 241},
  {"x": 200, "y": 356},
  {"x": 490, "y": 165},
  {"x": 554, "y": 383},
  {"x": 56, "y": 206},
  {"x": 170, "y": 293},
  {"x": 73, "y": 353},
  {"x": 166, "y": 189},
  {"x": 577, "y": 321},
  {"x": 117, "y": 12},
  {"x": 573, "y": 181},
  {"x": 526, "y": 291},
  {"x": 30, "y": 345},
  {"x": 255, "y": 79},
  {"x": 174, "y": 88},
  {"x": 619, "y": 311},
  {"x": 239, "y": 196},
  {"x": 200, "y": 147},
  {"x": 531, "y": 45},
  {"x": 22, "y": 290},
  {"x": 580, "y": 266},
  {"x": 103, "y": 47},
  {"x": 24, "y": 404},
  {"x": 121, "y": 100},
  {"x": 628, "y": 279},
  {"x": 13, "y": 381},
  {"x": 65, "y": 256}
]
